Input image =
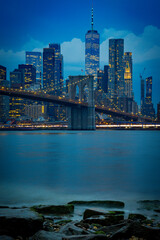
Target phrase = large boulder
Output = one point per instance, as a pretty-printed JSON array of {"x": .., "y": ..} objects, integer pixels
[
  {"x": 54, "y": 209},
  {"x": 89, "y": 213},
  {"x": 136, "y": 216},
  {"x": 19, "y": 222},
  {"x": 102, "y": 203}
]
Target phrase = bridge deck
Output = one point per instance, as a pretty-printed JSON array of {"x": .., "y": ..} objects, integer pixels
[{"x": 41, "y": 96}]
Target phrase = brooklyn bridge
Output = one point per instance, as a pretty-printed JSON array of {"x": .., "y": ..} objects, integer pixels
[{"x": 81, "y": 114}]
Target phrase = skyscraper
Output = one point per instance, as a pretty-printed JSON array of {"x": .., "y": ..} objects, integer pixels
[
  {"x": 58, "y": 66},
  {"x": 116, "y": 68},
  {"x": 128, "y": 74},
  {"x": 148, "y": 109},
  {"x": 92, "y": 52},
  {"x": 149, "y": 90},
  {"x": 48, "y": 68},
  {"x": 35, "y": 58}
]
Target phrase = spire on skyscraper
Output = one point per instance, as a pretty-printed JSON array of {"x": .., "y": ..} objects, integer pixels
[{"x": 92, "y": 16}]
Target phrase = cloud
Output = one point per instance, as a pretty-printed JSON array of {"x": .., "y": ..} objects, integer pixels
[
  {"x": 145, "y": 46},
  {"x": 73, "y": 51}
]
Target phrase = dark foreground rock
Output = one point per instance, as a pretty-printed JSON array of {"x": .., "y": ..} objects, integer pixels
[
  {"x": 89, "y": 213},
  {"x": 136, "y": 216},
  {"x": 43, "y": 235},
  {"x": 54, "y": 209},
  {"x": 19, "y": 222},
  {"x": 138, "y": 230},
  {"x": 108, "y": 204}
]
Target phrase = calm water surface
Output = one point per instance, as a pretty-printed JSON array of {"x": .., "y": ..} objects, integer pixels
[{"x": 54, "y": 167}]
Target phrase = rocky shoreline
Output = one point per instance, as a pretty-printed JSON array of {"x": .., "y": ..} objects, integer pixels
[{"x": 54, "y": 222}]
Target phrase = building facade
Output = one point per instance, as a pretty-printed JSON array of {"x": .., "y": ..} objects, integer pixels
[
  {"x": 29, "y": 73},
  {"x": 116, "y": 68},
  {"x": 128, "y": 74},
  {"x": 35, "y": 59}
]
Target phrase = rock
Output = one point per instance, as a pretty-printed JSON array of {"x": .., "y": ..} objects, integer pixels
[
  {"x": 19, "y": 222},
  {"x": 44, "y": 235},
  {"x": 107, "y": 203},
  {"x": 87, "y": 237},
  {"x": 157, "y": 210},
  {"x": 54, "y": 209},
  {"x": 105, "y": 220},
  {"x": 137, "y": 230},
  {"x": 71, "y": 229},
  {"x": 110, "y": 230},
  {"x": 3, "y": 237},
  {"x": 136, "y": 216},
  {"x": 89, "y": 213}
]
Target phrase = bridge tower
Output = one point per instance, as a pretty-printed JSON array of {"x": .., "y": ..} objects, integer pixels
[{"x": 82, "y": 117}]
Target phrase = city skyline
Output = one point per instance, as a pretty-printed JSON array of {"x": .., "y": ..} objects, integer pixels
[{"x": 145, "y": 34}]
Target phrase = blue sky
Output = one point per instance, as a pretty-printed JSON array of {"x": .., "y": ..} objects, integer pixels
[{"x": 32, "y": 25}]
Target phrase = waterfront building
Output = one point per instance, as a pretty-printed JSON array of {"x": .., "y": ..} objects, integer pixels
[
  {"x": 35, "y": 111},
  {"x": 116, "y": 68},
  {"x": 2, "y": 72},
  {"x": 128, "y": 74},
  {"x": 29, "y": 72},
  {"x": 92, "y": 51},
  {"x": 35, "y": 59}
]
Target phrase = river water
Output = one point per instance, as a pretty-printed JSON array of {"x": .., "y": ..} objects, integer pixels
[{"x": 55, "y": 167}]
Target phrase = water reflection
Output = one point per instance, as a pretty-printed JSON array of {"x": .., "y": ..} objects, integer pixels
[{"x": 100, "y": 164}]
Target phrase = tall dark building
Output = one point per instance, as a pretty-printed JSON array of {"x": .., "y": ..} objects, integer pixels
[
  {"x": 102, "y": 79},
  {"x": 58, "y": 67},
  {"x": 148, "y": 109},
  {"x": 92, "y": 51},
  {"x": 116, "y": 68},
  {"x": 48, "y": 68},
  {"x": 2, "y": 72},
  {"x": 17, "y": 79},
  {"x": 149, "y": 90},
  {"x": 35, "y": 59},
  {"x": 29, "y": 72},
  {"x": 142, "y": 92}
]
